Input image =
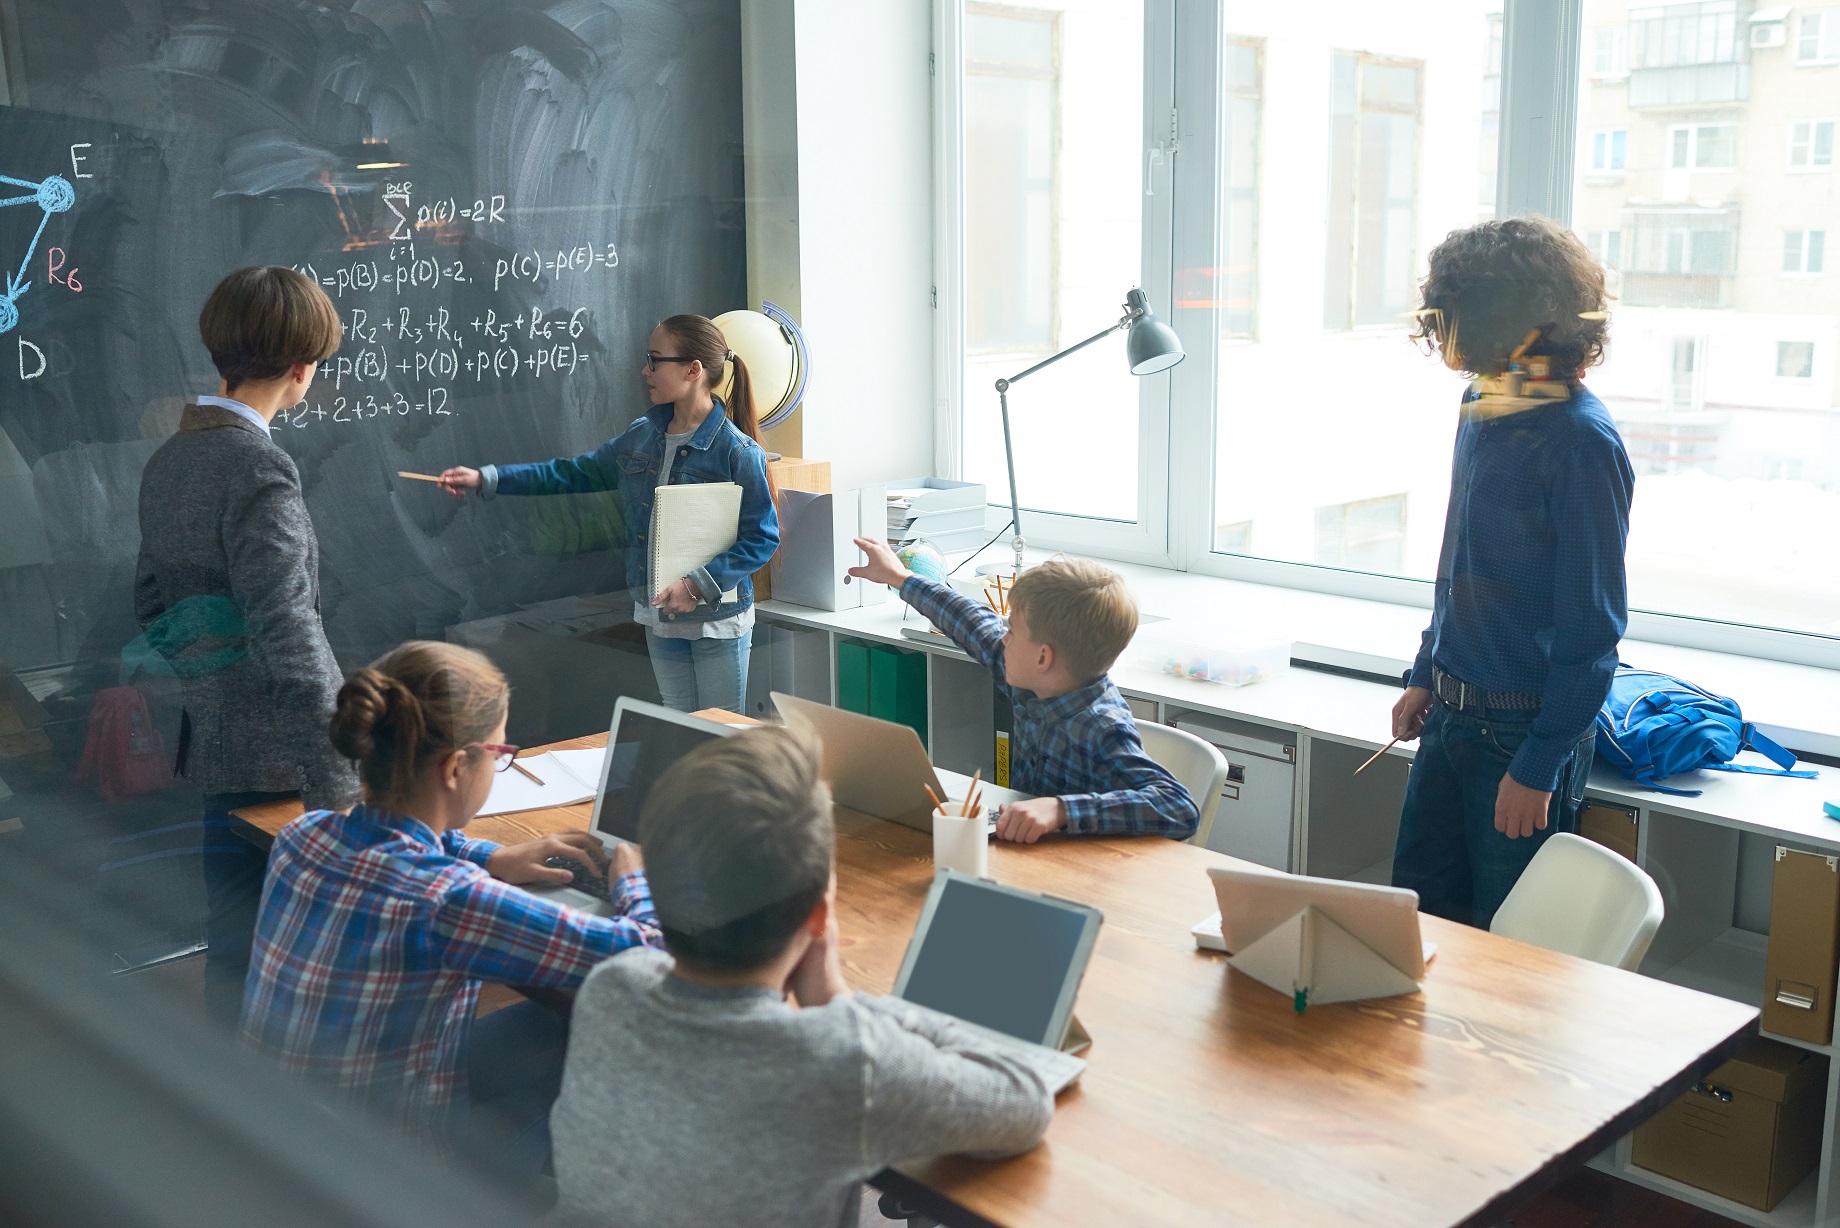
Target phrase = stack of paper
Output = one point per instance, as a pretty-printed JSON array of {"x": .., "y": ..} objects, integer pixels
[{"x": 566, "y": 776}]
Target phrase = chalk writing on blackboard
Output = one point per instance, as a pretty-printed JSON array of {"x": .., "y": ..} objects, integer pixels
[{"x": 52, "y": 194}]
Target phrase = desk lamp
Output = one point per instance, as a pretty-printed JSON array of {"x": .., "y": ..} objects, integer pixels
[{"x": 1151, "y": 347}]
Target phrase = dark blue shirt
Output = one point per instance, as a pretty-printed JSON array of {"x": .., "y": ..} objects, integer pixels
[{"x": 1531, "y": 592}]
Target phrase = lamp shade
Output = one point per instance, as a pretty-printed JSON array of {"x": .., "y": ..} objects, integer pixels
[{"x": 1152, "y": 345}]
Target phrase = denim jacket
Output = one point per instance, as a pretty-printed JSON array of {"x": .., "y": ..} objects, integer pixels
[{"x": 718, "y": 452}]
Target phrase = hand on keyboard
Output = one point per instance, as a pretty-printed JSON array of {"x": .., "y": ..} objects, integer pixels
[{"x": 586, "y": 879}]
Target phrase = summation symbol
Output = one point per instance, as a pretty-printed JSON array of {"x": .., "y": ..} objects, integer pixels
[{"x": 52, "y": 194}]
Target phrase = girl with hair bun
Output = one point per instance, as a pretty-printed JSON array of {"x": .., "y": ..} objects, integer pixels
[
  {"x": 378, "y": 927},
  {"x": 699, "y": 628}
]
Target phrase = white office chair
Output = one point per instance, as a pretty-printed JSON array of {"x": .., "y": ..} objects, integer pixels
[
  {"x": 1578, "y": 897},
  {"x": 1195, "y": 762}
]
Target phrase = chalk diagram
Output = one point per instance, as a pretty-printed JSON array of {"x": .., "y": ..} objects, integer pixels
[{"x": 52, "y": 194}]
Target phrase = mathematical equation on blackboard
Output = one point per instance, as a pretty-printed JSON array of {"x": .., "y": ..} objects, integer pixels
[{"x": 407, "y": 347}]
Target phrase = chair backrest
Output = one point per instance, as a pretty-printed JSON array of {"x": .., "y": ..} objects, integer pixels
[
  {"x": 1195, "y": 762},
  {"x": 1583, "y": 899}
]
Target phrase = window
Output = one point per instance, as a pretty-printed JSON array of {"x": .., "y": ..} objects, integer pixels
[
  {"x": 1234, "y": 538},
  {"x": 1703, "y": 147},
  {"x": 1811, "y": 144},
  {"x": 1708, "y": 398},
  {"x": 1488, "y": 161},
  {"x": 1239, "y": 233},
  {"x": 1010, "y": 145},
  {"x": 1366, "y": 535},
  {"x": 1804, "y": 251},
  {"x": 1606, "y": 245},
  {"x": 1609, "y": 52},
  {"x": 1607, "y": 149},
  {"x": 1675, "y": 34},
  {"x": 1795, "y": 360},
  {"x": 1053, "y": 201},
  {"x": 1373, "y": 191},
  {"x": 1817, "y": 37}
]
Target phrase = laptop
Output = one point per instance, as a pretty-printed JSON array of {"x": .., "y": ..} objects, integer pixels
[
  {"x": 1005, "y": 961},
  {"x": 880, "y": 768},
  {"x": 643, "y": 741}
]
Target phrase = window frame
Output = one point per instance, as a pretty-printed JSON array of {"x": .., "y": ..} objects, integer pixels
[
  {"x": 1692, "y": 132},
  {"x": 1810, "y": 167},
  {"x": 1824, "y": 19},
  {"x": 1182, "y": 77},
  {"x": 1611, "y": 151}
]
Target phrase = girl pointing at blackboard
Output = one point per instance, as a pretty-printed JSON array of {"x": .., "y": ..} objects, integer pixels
[{"x": 698, "y": 640}]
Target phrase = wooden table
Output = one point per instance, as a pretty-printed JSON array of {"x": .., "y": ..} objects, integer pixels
[{"x": 1208, "y": 1100}]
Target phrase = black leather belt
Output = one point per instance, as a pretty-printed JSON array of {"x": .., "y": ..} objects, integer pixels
[{"x": 1464, "y": 697}]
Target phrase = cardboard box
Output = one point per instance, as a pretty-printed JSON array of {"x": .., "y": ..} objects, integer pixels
[
  {"x": 1798, "y": 986},
  {"x": 791, "y": 473},
  {"x": 1611, "y": 826},
  {"x": 1750, "y": 1132}
]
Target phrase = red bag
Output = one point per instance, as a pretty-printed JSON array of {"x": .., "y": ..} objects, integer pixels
[{"x": 122, "y": 753}]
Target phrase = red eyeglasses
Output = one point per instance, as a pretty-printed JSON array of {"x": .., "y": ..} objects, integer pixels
[{"x": 504, "y": 754}]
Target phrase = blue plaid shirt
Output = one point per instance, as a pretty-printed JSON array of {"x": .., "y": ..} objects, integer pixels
[
  {"x": 1081, "y": 747},
  {"x": 373, "y": 939}
]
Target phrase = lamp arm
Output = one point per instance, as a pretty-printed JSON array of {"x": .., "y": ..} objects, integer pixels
[
  {"x": 1003, "y": 384},
  {"x": 1009, "y": 452}
]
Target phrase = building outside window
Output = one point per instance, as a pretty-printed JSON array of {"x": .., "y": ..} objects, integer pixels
[
  {"x": 1719, "y": 268},
  {"x": 1610, "y": 51},
  {"x": 1053, "y": 203},
  {"x": 1811, "y": 144},
  {"x": 1239, "y": 237},
  {"x": 1366, "y": 535},
  {"x": 1373, "y": 191}
]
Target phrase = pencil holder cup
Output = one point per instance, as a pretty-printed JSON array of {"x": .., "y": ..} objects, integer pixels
[{"x": 961, "y": 844}]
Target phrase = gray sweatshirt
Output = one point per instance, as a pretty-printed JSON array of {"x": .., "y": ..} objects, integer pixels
[{"x": 688, "y": 1105}]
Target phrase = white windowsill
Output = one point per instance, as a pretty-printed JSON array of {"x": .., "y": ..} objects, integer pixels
[{"x": 1795, "y": 704}]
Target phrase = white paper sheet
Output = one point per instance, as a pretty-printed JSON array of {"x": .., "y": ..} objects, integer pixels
[{"x": 562, "y": 786}]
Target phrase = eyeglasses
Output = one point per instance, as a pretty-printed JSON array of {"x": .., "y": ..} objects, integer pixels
[
  {"x": 652, "y": 360},
  {"x": 503, "y": 754}
]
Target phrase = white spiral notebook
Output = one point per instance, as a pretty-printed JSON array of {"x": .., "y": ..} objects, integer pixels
[{"x": 691, "y": 524}]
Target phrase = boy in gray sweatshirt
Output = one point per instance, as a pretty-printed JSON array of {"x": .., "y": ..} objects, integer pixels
[{"x": 696, "y": 1092}]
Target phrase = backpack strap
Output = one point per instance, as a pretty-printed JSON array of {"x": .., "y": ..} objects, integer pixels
[{"x": 1770, "y": 749}]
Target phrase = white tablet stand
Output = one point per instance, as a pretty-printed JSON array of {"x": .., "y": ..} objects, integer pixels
[{"x": 1313, "y": 959}]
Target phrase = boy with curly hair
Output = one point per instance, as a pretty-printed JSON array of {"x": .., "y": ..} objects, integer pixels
[{"x": 1531, "y": 599}]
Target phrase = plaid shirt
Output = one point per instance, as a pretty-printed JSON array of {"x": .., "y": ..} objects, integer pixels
[
  {"x": 374, "y": 937},
  {"x": 1081, "y": 747}
]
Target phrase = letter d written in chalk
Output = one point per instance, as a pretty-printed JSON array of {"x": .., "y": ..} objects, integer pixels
[{"x": 37, "y": 360}]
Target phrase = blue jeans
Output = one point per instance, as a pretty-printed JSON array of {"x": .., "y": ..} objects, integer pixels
[
  {"x": 233, "y": 873},
  {"x": 1448, "y": 850},
  {"x": 696, "y": 674},
  {"x": 514, "y": 1073}
]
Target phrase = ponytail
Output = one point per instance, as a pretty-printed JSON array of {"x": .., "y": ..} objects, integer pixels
[
  {"x": 701, "y": 339},
  {"x": 416, "y": 702}
]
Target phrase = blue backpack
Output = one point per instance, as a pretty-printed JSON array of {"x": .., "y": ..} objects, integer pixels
[{"x": 1655, "y": 726}]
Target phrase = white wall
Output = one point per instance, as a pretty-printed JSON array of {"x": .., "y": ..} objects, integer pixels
[{"x": 862, "y": 225}]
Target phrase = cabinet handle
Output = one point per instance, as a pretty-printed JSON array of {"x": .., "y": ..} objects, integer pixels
[{"x": 1793, "y": 993}]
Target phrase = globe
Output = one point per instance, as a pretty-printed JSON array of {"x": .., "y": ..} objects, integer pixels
[
  {"x": 923, "y": 560},
  {"x": 773, "y": 361}
]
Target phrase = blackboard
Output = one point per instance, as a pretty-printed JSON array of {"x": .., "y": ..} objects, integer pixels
[{"x": 500, "y": 196}]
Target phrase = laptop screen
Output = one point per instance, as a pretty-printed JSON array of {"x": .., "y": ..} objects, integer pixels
[
  {"x": 996, "y": 958},
  {"x": 642, "y": 748}
]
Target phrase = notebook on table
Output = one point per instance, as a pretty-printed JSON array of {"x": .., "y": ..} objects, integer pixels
[{"x": 691, "y": 524}]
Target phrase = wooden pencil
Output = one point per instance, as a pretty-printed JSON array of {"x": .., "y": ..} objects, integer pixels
[
  {"x": 421, "y": 477},
  {"x": 520, "y": 767},
  {"x": 965, "y": 810},
  {"x": 1376, "y": 755},
  {"x": 937, "y": 804}
]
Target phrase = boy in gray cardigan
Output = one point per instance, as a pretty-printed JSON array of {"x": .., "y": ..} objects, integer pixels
[{"x": 695, "y": 1093}]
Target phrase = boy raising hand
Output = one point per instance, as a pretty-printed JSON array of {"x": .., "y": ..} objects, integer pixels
[{"x": 1074, "y": 743}]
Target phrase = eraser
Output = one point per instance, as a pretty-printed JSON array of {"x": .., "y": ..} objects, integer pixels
[{"x": 1832, "y": 808}]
